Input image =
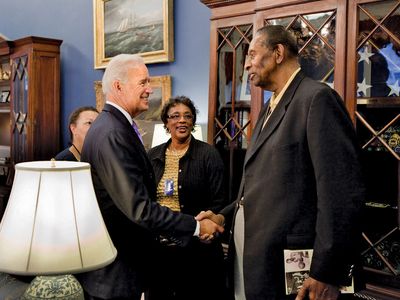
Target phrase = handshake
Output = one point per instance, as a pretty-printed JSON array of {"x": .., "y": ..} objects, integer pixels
[{"x": 211, "y": 225}]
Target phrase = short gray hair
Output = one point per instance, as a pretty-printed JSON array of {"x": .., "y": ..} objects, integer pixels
[
  {"x": 272, "y": 35},
  {"x": 117, "y": 69}
]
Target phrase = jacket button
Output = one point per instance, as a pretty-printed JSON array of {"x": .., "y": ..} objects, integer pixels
[
  {"x": 180, "y": 170},
  {"x": 182, "y": 206},
  {"x": 179, "y": 187}
]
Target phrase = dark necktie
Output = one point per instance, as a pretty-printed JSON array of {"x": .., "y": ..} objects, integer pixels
[{"x": 137, "y": 131}]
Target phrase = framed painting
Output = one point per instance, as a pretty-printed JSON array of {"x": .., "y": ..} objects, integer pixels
[
  {"x": 5, "y": 96},
  {"x": 161, "y": 86},
  {"x": 245, "y": 90},
  {"x": 143, "y": 27}
]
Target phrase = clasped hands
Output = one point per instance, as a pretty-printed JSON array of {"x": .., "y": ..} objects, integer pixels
[{"x": 211, "y": 225}]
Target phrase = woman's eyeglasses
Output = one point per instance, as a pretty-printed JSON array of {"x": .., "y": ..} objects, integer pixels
[{"x": 177, "y": 117}]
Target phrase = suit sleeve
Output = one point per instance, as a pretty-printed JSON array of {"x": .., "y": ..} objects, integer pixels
[
  {"x": 215, "y": 172},
  {"x": 120, "y": 165},
  {"x": 340, "y": 191}
]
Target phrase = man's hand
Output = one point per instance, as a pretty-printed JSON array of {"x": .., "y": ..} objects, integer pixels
[
  {"x": 317, "y": 290},
  {"x": 216, "y": 220},
  {"x": 219, "y": 219}
]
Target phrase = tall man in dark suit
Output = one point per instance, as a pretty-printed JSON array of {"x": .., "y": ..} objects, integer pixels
[
  {"x": 125, "y": 186},
  {"x": 301, "y": 185}
]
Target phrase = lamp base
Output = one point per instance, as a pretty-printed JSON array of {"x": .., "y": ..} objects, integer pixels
[{"x": 63, "y": 287}]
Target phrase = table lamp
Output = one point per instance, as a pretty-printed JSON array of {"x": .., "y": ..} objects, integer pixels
[
  {"x": 160, "y": 135},
  {"x": 52, "y": 226}
]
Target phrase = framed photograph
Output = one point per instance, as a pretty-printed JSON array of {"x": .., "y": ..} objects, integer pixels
[
  {"x": 161, "y": 86},
  {"x": 5, "y": 96},
  {"x": 143, "y": 27},
  {"x": 245, "y": 91}
]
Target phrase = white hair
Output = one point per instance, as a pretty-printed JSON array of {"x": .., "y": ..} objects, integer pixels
[{"x": 117, "y": 69}]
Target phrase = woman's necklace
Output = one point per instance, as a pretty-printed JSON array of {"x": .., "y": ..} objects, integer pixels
[
  {"x": 179, "y": 153},
  {"x": 75, "y": 152}
]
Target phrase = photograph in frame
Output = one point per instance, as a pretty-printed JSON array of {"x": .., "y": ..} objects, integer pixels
[
  {"x": 245, "y": 90},
  {"x": 143, "y": 27},
  {"x": 5, "y": 96}
]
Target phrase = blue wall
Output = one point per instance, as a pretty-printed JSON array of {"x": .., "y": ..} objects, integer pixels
[{"x": 72, "y": 22}]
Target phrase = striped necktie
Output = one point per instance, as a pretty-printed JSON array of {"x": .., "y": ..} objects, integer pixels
[{"x": 135, "y": 127}]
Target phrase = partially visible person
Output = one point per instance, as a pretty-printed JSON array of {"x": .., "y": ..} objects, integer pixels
[
  {"x": 189, "y": 174},
  {"x": 78, "y": 125},
  {"x": 125, "y": 187},
  {"x": 302, "y": 185}
]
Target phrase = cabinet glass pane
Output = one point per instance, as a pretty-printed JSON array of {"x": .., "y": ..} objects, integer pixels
[
  {"x": 233, "y": 103},
  {"x": 384, "y": 254},
  {"x": 316, "y": 41},
  {"x": 20, "y": 103},
  {"x": 232, "y": 50},
  {"x": 379, "y": 50}
]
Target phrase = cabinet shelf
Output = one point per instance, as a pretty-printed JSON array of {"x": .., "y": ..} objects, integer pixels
[
  {"x": 5, "y": 83},
  {"x": 5, "y": 108},
  {"x": 240, "y": 105},
  {"x": 379, "y": 102}
]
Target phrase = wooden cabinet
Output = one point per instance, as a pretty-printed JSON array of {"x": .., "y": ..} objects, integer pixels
[
  {"x": 5, "y": 132},
  {"x": 35, "y": 99},
  {"x": 353, "y": 46},
  {"x": 30, "y": 117}
]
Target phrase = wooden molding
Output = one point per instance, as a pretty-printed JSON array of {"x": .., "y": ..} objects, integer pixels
[{"x": 218, "y": 3}]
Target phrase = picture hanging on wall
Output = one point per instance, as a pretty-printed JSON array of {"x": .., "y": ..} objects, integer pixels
[
  {"x": 143, "y": 27},
  {"x": 5, "y": 96}
]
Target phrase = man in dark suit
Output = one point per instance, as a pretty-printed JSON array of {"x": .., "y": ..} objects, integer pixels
[
  {"x": 124, "y": 182},
  {"x": 301, "y": 185}
]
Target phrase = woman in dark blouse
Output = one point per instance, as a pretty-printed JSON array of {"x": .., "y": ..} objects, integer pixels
[
  {"x": 78, "y": 125},
  {"x": 189, "y": 174}
]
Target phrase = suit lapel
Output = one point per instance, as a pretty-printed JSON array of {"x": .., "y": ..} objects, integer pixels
[
  {"x": 128, "y": 127},
  {"x": 275, "y": 118},
  {"x": 257, "y": 130}
]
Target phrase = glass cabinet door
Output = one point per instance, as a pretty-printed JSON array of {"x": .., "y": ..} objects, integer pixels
[
  {"x": 232, "y": 118},
  {"x": 19, "y": 107},
  {"x": 377, "y": 112},
  {"x": 234, "y": 95}
]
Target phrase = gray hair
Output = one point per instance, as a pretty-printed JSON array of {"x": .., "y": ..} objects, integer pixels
[
  {"x": 117, "y": 69},
  {"x": 277, "y": 34}
]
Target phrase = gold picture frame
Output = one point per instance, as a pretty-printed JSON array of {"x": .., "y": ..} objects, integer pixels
[
  {"x": 117, "y": 30},
  {"x": 161, "y": 86}
]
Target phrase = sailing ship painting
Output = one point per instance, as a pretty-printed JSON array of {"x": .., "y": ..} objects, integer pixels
[
  {"x": 126, "y": 24},
  {"x": 133, "y": 26}
]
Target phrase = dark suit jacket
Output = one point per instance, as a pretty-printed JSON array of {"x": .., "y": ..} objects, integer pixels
[
  {"x": 302, "y": 189},
  {"x": 124, "y": 182}
]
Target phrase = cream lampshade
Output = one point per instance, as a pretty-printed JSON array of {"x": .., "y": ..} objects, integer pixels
[{"x": 52, "y": 223}]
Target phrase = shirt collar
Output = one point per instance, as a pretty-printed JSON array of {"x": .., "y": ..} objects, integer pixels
[
  {"x": 276, "y": 98},
  {"x": 123, "y": 111}
]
